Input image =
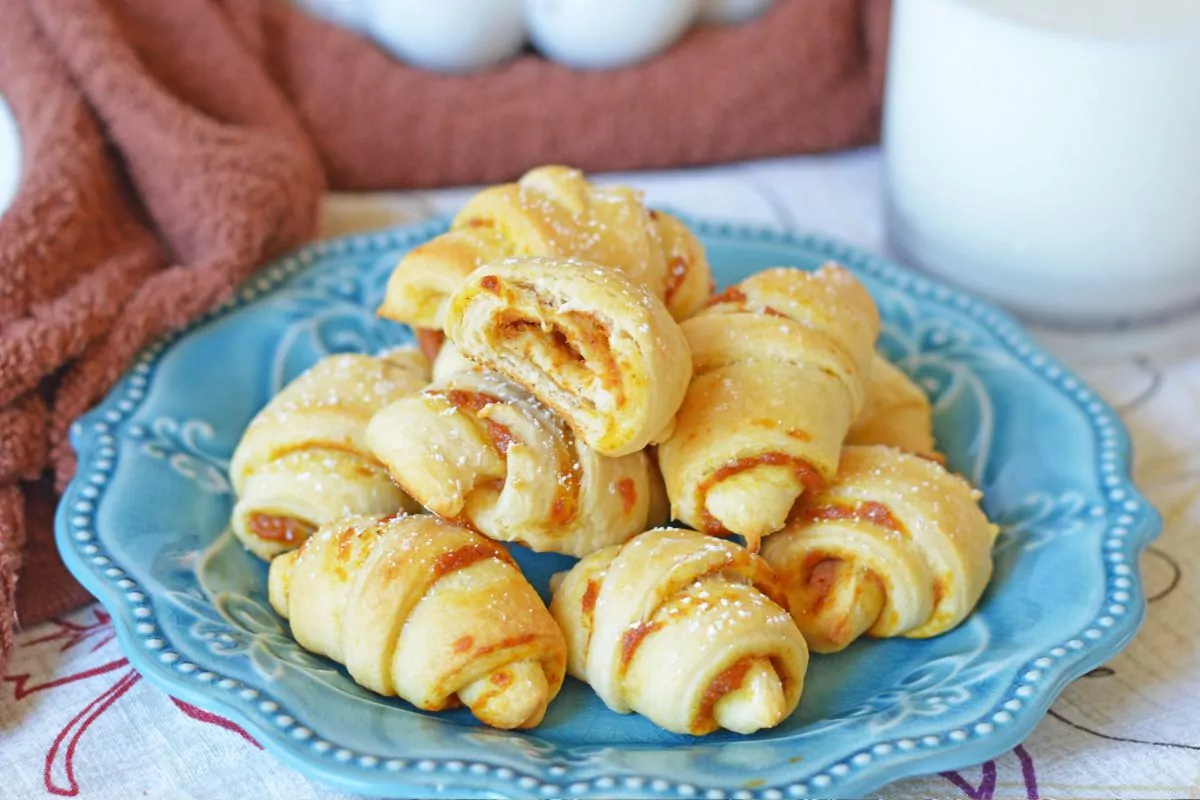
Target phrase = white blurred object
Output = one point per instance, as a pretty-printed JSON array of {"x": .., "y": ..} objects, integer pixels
[
  {"x": 588, "y": 34},
  {"x": 449, "y": 35},
  {"x": 1045, "y": 154},
  {"x": 467, "y": 35},
  {"x": 352, "y": 14},
  {"x": 10, "y": 156},
  {"x": 728, "y": 12}
]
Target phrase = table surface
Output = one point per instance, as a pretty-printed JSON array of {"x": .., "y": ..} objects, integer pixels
[{"x": 76, "y": 720}]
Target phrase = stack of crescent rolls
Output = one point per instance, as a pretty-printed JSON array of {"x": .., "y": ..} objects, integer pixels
[{"x": 580, "y": 383}]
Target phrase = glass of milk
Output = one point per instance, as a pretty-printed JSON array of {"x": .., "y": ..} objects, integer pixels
[{"x": 1046, "y": 153}]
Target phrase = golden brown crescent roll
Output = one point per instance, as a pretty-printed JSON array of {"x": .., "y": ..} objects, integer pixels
[
  {"x": 895, "y": 546},
  {"x": 552, "y": 211},
  {"x": 684, "y": 629},
  {"x": 600, "y": 350},
  {"x": 303, "y": 460},
  {"x": 478, "y": 449},
  {"x": 425, "y": 610},
  {"x": 896, "y": 413},
  {"x": 779, "y": 364}
]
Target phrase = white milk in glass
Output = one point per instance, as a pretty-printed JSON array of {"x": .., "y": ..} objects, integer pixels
[{"x": 1046, "y": 153}]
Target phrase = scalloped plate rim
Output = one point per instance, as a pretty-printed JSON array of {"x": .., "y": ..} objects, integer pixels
[{"x": 410, "y": 781}]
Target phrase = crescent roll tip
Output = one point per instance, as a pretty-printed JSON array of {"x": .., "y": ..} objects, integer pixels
[
  {"x": 425, "y": 610},
  {"x": 303, "y": 460},
  {"x": 779, "y": 362},
  {"x": 685, "y": 630},
  {"x": 895, "y": 546}
]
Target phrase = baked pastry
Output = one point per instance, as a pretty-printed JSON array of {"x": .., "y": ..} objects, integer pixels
[
  {"x": 449, "y": 361},
  {"x": 684, "y": 629},
  {"x": 552, "y": 211},
  {"x": 597, "y": 348},
  {"x": 896, "y": 412},
  {"x": 687, "y": 284},
  {"x": 303, "y": 461},
  {"x": 478, "y": 449},
  {"x": 779, "y": 364},
  {"x": 425, "y": 610},
  {"x": 895, "y": 546}
]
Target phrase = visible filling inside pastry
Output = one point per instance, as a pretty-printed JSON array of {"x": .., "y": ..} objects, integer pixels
[
  {"x": 572, "y": 351},
  {"x": 749, "y": 694},
  {"x": 729, "y": 680},
  {"x": 514, "y": 696},
  {"x": 943, "y": 616},
  {"x": 679, "y": 257},
  {"x": 677, "y": 272},
  {"x": 463, "y": 557},
  {"x": 587, "y": 604},
  {"x": 568, "y": 350},
  {"x": 569, "y": 477},
  {"x": 758, "y": 701},
  {"x": 834, "y": 601},
  {"x": 628, "y": 494},
  {"x": 500, "y": 435},
  {"x": 429, "y": 340},
  {"x": 822, "y": 578},
  {"x": 808, "y": 478},
  {"x": 733, "y": 296},
  {"x": 868, "y": 511},
  {"x": 632, "y": 639},
  {"x": 280, "y": 528},
  {"x": 566, "y": 493}
]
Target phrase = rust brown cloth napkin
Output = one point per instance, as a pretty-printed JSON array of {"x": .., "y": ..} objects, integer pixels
[{"x": 169, "y": 148}]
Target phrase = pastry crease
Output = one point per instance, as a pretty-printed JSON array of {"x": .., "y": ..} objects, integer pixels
[
  {"x": 425, "y": 610},
  {"x": 895, "y": 546}
]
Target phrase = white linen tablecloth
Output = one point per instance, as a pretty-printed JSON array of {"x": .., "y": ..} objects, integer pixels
[{"x": 76, "y": 721}]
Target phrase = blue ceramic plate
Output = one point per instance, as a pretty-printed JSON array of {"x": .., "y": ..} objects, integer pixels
[{"x": 143, "y": 526}]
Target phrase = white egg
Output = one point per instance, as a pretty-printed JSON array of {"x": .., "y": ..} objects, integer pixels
[
  {"x": 732, "y": 11},
  {"x": 601, "y": 34},
  {"x": 449, "y": 35},
  {"x": 10, "y": 156},
  {"x": 350, "y": 14}
]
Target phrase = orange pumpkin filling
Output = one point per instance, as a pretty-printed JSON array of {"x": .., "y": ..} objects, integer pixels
[
  {"x": 285, "y": 530},
  {"x": 808, "y": 476}
]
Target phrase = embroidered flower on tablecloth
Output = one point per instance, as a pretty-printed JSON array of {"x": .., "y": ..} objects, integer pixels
[
  {"x": 91, "y": 629},
  {"x": 986, "y": 788}
]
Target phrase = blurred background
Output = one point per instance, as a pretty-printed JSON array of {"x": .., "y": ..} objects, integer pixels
[{"x": 1042, "y": 154}]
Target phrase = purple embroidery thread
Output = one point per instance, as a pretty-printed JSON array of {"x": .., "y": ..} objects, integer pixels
[
  {"x": 986, "y": 790},
  {"x": 1027, "y": 772},
  {"x": 987, "y": 787}
]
